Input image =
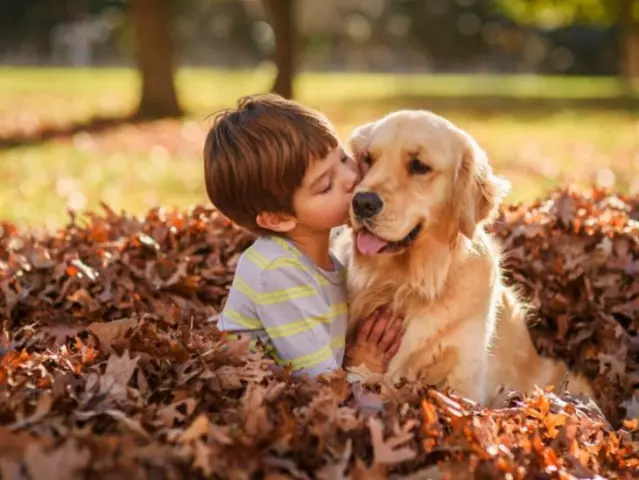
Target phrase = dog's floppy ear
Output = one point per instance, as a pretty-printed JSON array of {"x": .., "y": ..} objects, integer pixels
[
  {"x": 358, "y": 143},
  {"x": 477, "y": 192}
]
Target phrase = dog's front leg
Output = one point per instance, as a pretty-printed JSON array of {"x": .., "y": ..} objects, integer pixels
[
  {"x": 444, "y": 351},
  {"x": 468, "y": 378},
  {"x": 455, "y": 353}
]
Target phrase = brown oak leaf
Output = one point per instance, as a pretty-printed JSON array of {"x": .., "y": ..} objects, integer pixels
[
  {"x": 118, "y": 373},
  {"x": 385, "y": 451}
]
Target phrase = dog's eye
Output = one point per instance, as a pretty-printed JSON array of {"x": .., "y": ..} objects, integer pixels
[
  {"x": 417, "y": 167},
  {"x": 367, "y": 159}
]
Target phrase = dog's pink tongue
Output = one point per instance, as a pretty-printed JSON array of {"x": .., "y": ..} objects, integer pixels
[{"x": 369, "y": 244}]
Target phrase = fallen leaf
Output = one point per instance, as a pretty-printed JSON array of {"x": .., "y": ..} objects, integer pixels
[
  {"x": 64, "y": 463},
  {"x": 108, "y": 332},
  {"x": 203, "y": 458},
  {"x": 172, "y": 413},
  {"x": 118, "y": 373},
  {"x": 131, "y": 424},
  {"x": 337, "y": 470},
  {"x": 84, "y": 298},
  {"x": 255, "y": 415},
  {"x": 200, "y": 427},
  {"x": 386, "y": 452},
  {"x": 42, "y": 410}
]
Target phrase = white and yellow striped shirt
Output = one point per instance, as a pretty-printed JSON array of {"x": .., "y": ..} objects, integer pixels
[{"x": 280, "y": 296}]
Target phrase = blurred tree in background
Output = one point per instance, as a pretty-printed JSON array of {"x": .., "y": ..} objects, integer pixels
[
  {"x": 574, "y": 37},
  {"x": 550, "y": 14},
  {"x": 281, "y": 15},
  {"x": 151, "y": 21}
]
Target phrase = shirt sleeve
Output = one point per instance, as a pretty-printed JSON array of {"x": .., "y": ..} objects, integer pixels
[
  {"x": 237, "y": 316},
  {"x": 295, "y": 315}
]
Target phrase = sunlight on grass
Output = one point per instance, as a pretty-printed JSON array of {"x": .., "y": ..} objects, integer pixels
[
  {"x": 47, "y": 180},
  {"x": 138, "y": 167}
]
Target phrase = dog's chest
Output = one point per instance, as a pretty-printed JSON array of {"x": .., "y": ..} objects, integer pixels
[
  {"x": 360, "y": 279},
  {"x": 367, "y": 291},
  {"x": 423, "y": 329}
]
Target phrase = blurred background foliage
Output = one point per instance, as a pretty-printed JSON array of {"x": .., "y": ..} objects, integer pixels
[{"x": 109, "y": 100}]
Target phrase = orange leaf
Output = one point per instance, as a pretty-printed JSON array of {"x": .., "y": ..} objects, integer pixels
[
  {"x": 551, "y": 422},
  {"x": 631, "y": 424},
  {"x": 430, "y": 414}
]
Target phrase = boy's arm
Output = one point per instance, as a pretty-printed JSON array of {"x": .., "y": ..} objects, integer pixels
[
  {"x": 237, "y": 317},
  {"x": 291, "y": 307}
]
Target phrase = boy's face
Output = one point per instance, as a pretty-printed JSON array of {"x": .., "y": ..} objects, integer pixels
[{"x": 323, "y": 200}]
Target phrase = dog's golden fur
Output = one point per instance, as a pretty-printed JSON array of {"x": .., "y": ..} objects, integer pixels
[{"x": 463, "y": 326}]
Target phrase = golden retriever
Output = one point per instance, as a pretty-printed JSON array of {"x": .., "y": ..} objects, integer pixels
[{"x": 417, "y": 244}]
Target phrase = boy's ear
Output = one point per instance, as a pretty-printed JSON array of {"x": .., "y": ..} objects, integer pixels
[{"x": 276, "y": 222}]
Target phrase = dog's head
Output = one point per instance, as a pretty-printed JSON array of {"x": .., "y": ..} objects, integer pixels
[{"x": 420, "y": 174}]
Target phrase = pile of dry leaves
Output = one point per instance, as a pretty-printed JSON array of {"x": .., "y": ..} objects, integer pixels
[
  {"x": 576, "y": 258},
  {"x": 110, "y": 367}
]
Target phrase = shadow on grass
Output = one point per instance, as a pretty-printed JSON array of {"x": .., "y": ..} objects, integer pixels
[
  {"x": 93, "y": 125},
  {"x": 524, "y": 107}
]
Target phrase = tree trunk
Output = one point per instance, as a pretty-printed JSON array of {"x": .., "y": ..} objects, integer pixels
[
  {"x": 151, "y": 21},
  {"x": 629, "y": 41},
  {"x": 281, "y": 14}
]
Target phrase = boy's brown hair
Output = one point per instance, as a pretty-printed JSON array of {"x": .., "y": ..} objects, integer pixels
[{"x": 256, "y": 155}]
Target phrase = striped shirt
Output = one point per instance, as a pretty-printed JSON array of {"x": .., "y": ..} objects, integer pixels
[{"x": 297, "y": 309}]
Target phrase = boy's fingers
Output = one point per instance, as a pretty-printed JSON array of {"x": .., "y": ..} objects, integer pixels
[
  {"x": 390, "y": 353},
  {"x": 366, "y": 327},
  {"x": 390, "y": 331},
  {"x": 381, "y": 322},
  {"x": 392, "y": 335}
]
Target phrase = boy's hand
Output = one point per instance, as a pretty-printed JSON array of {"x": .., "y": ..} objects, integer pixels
[{"x": 376, "y": 342}]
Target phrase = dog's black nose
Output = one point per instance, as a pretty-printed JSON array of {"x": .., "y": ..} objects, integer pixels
[{"x": 367, "y": 204}]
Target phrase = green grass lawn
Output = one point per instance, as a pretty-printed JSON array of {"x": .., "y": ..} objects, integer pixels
[{"x": 539, "y": 131}]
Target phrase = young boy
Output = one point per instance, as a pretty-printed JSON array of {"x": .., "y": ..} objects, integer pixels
[{"x": 278, "y": 169}]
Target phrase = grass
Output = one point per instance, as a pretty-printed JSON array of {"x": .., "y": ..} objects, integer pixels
[{"x": 539, "y": 131}]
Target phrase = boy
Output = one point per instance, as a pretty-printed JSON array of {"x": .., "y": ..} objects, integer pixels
[{"x": 277, "y": 169}]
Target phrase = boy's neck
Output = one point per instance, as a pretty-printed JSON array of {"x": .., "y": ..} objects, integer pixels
[{"x": 315, "y": 245}]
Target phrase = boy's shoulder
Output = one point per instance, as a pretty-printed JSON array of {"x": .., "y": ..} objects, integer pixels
[
  {"x": 269, "y": 253},
  {"x": 275, "y": 256}
]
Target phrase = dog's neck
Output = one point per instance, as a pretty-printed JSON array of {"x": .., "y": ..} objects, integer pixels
[
  {"x": 426, "y": 270},
  {"x": 428, "y": 266}
]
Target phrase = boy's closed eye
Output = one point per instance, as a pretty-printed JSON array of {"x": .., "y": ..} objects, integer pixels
[{"x": 328, "y": 187}]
